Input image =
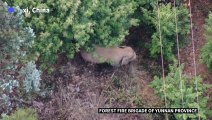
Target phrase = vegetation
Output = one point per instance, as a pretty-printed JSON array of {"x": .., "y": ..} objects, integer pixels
[
  {"x": 168, "y": 30},
  {"x": 39, "y": 39},
  {"x": 23, "y": 114},
  {"x": 15, "y": 40},
  {"x": 185, "y": 89},
  {"x": 75, "y": 24},
  {"x": 32, "y": 77},
  {"x": 207, "y": 48}
]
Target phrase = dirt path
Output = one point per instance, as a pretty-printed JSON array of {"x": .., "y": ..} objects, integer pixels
[
  {"x": 199, "y": 11},
  {"x": 187, "y": 54},
  {"x": 199, "y": 16}
]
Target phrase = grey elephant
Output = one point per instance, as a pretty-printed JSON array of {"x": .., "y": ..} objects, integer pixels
[{"x": 116, "y": 56}]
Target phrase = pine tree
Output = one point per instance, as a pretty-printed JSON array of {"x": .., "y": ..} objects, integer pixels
[
  {"x": 206, "y": 52},
  {"x": 15, "y": 40},
  {"x": 176, "y": 88},
  {"x": 168, "y": 30}
]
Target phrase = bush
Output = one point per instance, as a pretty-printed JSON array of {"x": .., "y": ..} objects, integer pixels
[
  {"x": 15, "y": 40},
  {"x": 206, "y": 52},
  {"x": 23, "y": 114},
  {"x": 32, "y": 77},
  {"x": 173, "y": 93},
  {"x": 74, "y": 24},
  {"x": 31, "y": 83},
  {"x": 168, "y": 30}
]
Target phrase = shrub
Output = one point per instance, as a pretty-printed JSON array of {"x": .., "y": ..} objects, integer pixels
[
  {"x": 74, "y": 24},
  {"x": 15, "y": 40},
  {"x": 31, "y": 83},
  {"x": 168, "y": 30},
  {"x": 22, "y": 114},
  {"x": 32, "y": 77},
  {"x": 206, "y": 52},
  {"x": 174, "y": 94}
]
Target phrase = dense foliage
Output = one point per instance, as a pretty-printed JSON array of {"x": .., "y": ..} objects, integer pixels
[
  {"x": 206, "y": 52},
  {"x": 74, "y": 24},
  {"x": 176, "y": 88},
  {"x": 168, "y": 29},
  {"x": 15, "y": 40}
]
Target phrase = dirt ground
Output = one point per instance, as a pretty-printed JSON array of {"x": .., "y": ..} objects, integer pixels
[
  {"x": 83, "y": 88},
  {"x": 186, "y": 53},
  {"x": 200, "y": 10}
]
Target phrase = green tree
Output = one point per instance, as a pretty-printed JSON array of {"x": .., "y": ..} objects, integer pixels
[
  {"x": 206, "y": 52},
  {"x": 176, "y": 88},
  {"x": 168, "y": 29},
  {"x": 15, "y": 40},
  {"x": 74, "y": 24}
]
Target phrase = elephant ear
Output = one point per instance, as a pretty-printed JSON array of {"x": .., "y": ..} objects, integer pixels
[{"x": 124, "y": 60}]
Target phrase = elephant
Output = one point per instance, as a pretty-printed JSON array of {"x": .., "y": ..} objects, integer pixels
[{"x": 115, "y": 56}]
